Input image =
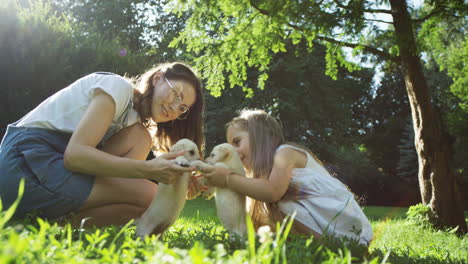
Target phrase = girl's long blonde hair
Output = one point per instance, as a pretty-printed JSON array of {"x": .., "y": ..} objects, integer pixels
[{"x": 265, "y": 136}]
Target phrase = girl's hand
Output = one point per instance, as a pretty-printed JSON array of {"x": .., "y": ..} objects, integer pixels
[
  {"x": 217, "y": 176},
  {"x": 165, "y": 169},
  {"x": 195, "y": 187}
]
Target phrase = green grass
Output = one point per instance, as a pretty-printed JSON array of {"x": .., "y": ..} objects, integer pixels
[
  {"x": 379, "y": 213},
  {"x": 197, "y": 237}
]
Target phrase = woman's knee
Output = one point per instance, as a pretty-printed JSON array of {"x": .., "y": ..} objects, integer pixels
[
  {"x": 133, "y": 141},
  {"x": 146, "y": 196},
  {"x": 135, "y": 192}
]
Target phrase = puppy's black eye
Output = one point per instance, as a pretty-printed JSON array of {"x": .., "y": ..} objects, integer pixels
[
  {"x": 191, "y": 152},
  {"x": 212, "y": 155}
]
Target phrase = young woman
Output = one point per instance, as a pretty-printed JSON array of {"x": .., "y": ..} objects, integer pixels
[
  {"x": 84, "y": 149},
  {"x": 284, "y": 178}
]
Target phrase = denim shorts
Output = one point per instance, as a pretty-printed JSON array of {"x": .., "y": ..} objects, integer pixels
[{"x": 36, "y": 155}]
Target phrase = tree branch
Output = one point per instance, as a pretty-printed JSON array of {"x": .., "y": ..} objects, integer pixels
[
  {"x": 426, "y": 17},
  {"x": 385, "y": 11},
  {"x": 380, "y": 21},
  {"x": 384, "y": 55},
  {"x": 375, "y": 51},
  {"x": 440, "y": 8},
  {"x": 262, "y": 11}
]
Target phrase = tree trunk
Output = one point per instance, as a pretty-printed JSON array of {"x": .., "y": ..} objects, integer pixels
[{"x": 437, "y": 180}]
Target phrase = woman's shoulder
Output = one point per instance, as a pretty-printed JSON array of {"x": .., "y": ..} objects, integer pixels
[
  {"x": 110, "y": 83},
  {"x": 119, "y": 88},
  {"x": 109, "y": 77}
]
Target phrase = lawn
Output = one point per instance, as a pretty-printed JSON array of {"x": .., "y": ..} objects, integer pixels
[{"x": 197, "y": 237}]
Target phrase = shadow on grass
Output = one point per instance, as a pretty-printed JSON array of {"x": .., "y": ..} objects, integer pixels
[
  {"x": 298, "y": 249},
  {"x": 408, "y": 256},
  {"x": 377, "y": 213}
]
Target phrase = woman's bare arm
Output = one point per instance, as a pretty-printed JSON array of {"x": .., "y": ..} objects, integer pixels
[{"x": 81, "y": 154}]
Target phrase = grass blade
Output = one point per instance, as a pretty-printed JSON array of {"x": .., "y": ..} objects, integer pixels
[
  {"x": 251, "y": 238},
  {"x": 8, "y": 214}
]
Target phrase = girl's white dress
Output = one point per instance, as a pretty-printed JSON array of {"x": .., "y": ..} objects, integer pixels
[{"x": 323, "y": 203}]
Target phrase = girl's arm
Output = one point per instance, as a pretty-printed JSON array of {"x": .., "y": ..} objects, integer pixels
[
  {"x": 81, "y": 154},
  {"x": 267, "y": 190}
]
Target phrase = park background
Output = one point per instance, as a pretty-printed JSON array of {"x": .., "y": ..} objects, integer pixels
[
  {"x": 357, "y": 122},
  {"x": 296, "y": 59}
]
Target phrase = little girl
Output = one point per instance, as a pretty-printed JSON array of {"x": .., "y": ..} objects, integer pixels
[{"x": 284, "y": 178}]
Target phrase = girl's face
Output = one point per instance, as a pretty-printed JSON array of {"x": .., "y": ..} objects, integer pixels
[
  {"x": 171, "y": 98},
  {"x": 239, "y": 139}
]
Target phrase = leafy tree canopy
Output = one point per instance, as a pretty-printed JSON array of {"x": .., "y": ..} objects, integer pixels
[
  {"x": 231, "y": 36},
  {"x": 234, "y": 35},
  {"x": 446, "y": 42}
]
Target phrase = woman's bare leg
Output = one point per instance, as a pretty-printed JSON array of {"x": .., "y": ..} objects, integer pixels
[
  {"x": 300, "y": 228},
  {"x": 118, "y": 200}
]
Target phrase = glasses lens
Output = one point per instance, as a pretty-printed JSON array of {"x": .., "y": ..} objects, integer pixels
[{"x": 183, "y": 108}]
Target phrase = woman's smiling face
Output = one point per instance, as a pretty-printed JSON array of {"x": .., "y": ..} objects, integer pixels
[{"x": 170, "y": 98}]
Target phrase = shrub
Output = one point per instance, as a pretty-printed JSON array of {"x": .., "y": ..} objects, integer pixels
[{"x": 420, "y": 215}]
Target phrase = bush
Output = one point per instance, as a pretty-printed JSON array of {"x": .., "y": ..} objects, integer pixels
[{"x": 420, "y": 215}]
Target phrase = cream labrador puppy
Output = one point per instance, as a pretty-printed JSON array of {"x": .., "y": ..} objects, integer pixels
[
  {"x": 230, "y": 205},
  {"x": 169, "y": 199}
]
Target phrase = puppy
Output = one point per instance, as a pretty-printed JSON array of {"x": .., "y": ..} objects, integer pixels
[
  {"x": 170, "y": 199},
  {"x": 230, "y": 205}
]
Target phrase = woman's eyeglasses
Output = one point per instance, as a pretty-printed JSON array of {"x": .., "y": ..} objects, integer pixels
[{"x": 178, "y": 99}]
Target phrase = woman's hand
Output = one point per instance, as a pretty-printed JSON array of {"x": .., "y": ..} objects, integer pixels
[
  {"x": 164, "y": 168},
  {"x": 217, "y": 176}
]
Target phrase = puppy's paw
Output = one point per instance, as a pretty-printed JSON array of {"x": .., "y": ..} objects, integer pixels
[
  {"x": 200, "y": 165},
  {"x": 182, "y": 161}
]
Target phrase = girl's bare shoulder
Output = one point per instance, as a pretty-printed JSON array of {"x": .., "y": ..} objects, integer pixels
[{"x": 290, "y": 156}]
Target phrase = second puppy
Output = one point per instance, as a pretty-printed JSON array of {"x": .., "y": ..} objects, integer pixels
[
  {"x": 230, "y": 205},
  {"x": 170, "y": 199}
]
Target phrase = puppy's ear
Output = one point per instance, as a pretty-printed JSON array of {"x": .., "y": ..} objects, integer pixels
[{"x": 225, "y": 154}]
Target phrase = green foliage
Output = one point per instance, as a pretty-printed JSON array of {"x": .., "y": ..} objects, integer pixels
[
  {"x": 34, "y": 42},
  {"x": 420, "y": 215},
  {"x": 195, "y": 239},
  {"x": 445, "y": 40},
  {"x": 457, "y": 67},
  {"x": 237, "y": 39},
  {"x": 6, "y": 215},
  {"x": 232, "y": 36},
  {"x": 335, "y": 56},
  {"x": 398, "y": 241},
  {"x": 407, "y": 164},
  {"x": 120, "y": 20},
  {"x": 45, "y": 48}
]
